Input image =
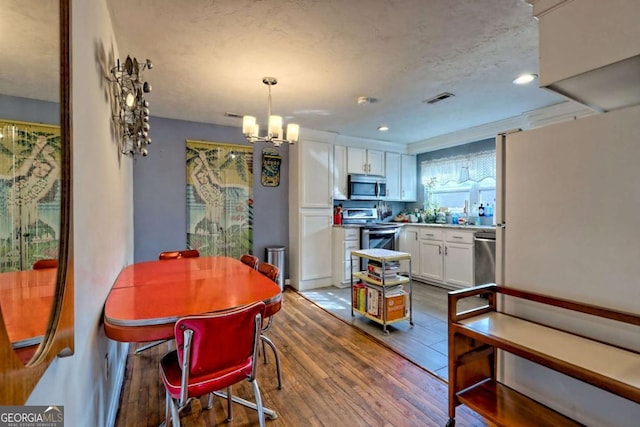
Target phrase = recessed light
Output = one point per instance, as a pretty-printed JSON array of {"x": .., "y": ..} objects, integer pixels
[
  {"x": 524, "y": 79},
  {"x": 383, "y": 128}
]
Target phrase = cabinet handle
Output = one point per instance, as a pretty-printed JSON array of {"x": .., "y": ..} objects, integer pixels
[
  {"x": 446, "y": 250},
  {"x": 457, "y": 237},
  {"x": 439, "y": 250}
]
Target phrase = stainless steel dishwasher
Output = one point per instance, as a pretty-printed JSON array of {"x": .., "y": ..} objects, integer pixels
[{"x": 484, "y": 257}]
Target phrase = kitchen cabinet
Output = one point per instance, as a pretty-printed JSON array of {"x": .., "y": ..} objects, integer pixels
[
  {"x": 408, "y": 180},
  {"x": 393, "y": 174},
  {"x": 345, "y": 240},
  {"x": 431, "y": 254},
  {"x": 400, "y": 170},
  {"x": 340, "y": 191},
  {"x": 458, "y": 258},
  {"x": 310, "y": 212},
  {"x": 440, "y": 256},
  {"x": 363, "y": 161},
  {"x": 409, "y": 243}
]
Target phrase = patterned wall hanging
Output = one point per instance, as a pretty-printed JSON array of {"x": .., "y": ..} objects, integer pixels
[
  {"x": 29, "y": 194},
  {"x": 271, "y": 161},
  {"x": 219, "y": 198}
]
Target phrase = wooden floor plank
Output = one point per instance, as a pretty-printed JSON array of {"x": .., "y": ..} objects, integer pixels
[{"x": 333, "y": 375}]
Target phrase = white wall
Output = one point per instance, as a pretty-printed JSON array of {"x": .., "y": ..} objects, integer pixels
[{"x": 103, "y": 228}]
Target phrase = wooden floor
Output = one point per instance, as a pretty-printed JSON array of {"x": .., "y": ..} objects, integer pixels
[{"x": 333, "y": 375}]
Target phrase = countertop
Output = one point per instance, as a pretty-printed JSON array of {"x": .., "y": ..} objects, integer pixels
[{"x": 422, "y": 224}]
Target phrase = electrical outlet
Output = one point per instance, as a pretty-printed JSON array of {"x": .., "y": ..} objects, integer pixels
[{"x": 287, "y": 282}]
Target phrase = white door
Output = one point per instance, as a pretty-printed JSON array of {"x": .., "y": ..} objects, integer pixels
[
  {"x": 356, "y": 160},
  {"x": 458, "y": 264},
  {"x": 375, "y": 160},
  {"x": 431, "y": 263}
]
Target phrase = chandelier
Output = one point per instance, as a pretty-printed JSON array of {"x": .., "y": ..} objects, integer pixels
[
  {"x": 133, "y": 114},
  {"x": 275, "y": 135}
]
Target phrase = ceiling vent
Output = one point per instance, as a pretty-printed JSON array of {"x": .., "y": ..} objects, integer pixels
[{"x": 438, "y": 98}]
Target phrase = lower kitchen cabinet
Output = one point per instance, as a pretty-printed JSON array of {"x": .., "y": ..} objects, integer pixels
[
  {"x": 345, "y": 240},
  {"x": 440, "y": 256},
  {"x": 409, "y": 243}
]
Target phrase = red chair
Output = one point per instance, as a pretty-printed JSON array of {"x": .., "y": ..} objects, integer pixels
[
  {"x": 214, "y": 352},
  {"x": 187, "y": 253},
  {"x": 273, "y": 273},
  {"x": 45, "y": 263},
  {"x": 250, "y": 260}
]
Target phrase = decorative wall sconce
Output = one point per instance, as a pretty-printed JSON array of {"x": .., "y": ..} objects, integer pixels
[
  {"x": 275, "y": 134},
  {"x": 133, "y": 114}
]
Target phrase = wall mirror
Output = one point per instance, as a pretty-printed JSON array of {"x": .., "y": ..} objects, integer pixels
[{"x": 36, "y": 304}]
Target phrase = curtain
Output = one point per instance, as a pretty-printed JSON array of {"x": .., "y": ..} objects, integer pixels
[
  {"x": 458, "y": 169},
  {"x": 219, "y": 198}
]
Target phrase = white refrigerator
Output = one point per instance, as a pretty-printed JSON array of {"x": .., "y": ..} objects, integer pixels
[{"x": 568, "y": 215}]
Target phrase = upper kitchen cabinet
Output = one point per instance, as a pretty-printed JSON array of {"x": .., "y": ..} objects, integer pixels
[
  {"x": 588, "y": 58},
  {"x": 314, "y": 162},
  {"x": 401, "y": 177},
  {"x": 363, "y": 161},
  {"x": 408, "y": 181},
  {"x": 394, "y": 180}
]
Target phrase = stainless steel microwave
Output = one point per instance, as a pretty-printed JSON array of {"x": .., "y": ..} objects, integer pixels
[{"x": 365, "y": 187}]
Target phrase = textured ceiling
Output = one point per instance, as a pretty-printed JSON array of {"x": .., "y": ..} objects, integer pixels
[
  {"x": 210, "y": 57},
  {"x": 29, "y": 49}
]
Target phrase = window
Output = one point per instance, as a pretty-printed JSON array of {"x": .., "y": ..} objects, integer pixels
[{"x": 450, "y": 181}]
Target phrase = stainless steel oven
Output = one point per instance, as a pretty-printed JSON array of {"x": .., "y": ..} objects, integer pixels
[{"x": 379, "y": 236}]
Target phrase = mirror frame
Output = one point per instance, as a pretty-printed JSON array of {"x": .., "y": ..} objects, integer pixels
[{"x": 18, "y": 380}]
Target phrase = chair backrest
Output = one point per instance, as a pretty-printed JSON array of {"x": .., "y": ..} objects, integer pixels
[
  {"x": 186, "y": 253},
  {"x": 45, "y": 263},
  {"x": 219, "y": 340},
  {"x": 269, "y": 270},
  {"x": 250, "y": 260}
]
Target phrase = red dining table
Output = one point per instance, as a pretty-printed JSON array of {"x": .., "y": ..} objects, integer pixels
[{"x": 148, "y": 297}]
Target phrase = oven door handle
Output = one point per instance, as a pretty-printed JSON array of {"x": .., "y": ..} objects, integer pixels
[{"x": 389, "y": 231}]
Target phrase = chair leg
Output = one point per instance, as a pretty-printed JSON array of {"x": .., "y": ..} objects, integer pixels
[
  {"x": 210, "y": 401},
  {"x": 229, "y": 404},
  {"x": 270, "y": 343},
  {"x": 256, "y": 392},
  {"x": 148, "y": 346},
  {"x": 171, "y": 406}
]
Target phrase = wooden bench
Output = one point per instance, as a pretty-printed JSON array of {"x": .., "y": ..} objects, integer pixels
[{"x": 476, "y": 335}]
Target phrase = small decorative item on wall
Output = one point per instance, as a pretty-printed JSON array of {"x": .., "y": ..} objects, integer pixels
[
  {"x": 29, "y": 193},
  {"x": 271, "y": 161},
  {"x": 219, "y": 198}
]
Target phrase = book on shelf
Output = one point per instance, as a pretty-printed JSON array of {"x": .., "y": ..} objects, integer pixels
[
  {"x": 385, "y": 278},
  {"x": 395, "y": 304},
  {"x": 388, "y": 271},
  {"x": 387, "y": 264}
]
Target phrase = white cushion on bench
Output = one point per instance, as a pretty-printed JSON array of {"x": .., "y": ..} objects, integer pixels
[{"x": 592, "y": 356}]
